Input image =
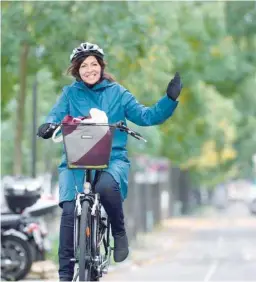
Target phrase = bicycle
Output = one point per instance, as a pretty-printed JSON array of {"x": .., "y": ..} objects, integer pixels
[{"x": 91, "y": 224}]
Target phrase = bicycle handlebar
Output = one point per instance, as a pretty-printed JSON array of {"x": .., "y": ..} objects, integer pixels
[{"x": 119, "y": 125}]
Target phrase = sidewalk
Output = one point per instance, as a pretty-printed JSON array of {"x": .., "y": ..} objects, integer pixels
[
  {"x": 152, "y": 247},
  {"x": 146, "y": 249},
  {"x": 169, "y": 236},
  {"x": 164, "y": 242}
]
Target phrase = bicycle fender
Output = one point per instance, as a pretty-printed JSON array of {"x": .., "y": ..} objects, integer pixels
[{"x": 15, "y": 233}]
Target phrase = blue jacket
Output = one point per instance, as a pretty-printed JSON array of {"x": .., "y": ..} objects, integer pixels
[{"x": 118, "y": 104}]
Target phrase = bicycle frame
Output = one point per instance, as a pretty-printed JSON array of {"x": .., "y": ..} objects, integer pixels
[{"x": 101, "y": 262}]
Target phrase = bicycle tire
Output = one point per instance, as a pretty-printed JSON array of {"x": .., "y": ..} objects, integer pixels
[
  {"x": 95, "y": 249},
  {"x": 85, "y": 265}
]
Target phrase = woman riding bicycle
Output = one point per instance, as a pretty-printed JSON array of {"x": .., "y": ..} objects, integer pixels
[{"x": 94, "y": 88}]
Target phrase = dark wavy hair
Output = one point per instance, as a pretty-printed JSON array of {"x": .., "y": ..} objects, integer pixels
[{"x": 75, "y": 65}]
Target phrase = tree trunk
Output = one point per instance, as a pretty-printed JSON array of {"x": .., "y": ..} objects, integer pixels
[
  {"x": 184, "y": 191},
  {"x": 17, "y": 163}
]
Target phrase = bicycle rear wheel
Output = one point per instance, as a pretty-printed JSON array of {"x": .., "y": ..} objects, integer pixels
[{"x": 85, "y": 255}]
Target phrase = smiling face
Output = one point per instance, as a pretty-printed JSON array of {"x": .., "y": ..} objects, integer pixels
[{"x": 90, "y": 70}]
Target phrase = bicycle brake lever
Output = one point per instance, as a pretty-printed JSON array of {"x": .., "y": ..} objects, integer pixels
[
  {"x": 120, "y": 125},
  {"x": 135, "y": 136},
  {"x": 137, "y": 133}
]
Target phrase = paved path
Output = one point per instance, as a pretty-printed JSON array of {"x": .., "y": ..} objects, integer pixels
[
  {"x": 212, "y": 246},
  {"x": 221, "y": 246}
]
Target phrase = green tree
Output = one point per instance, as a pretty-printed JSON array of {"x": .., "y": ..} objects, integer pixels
[
  {"x": 144, "y": 45},
  {"x": 241, "y": 25}
]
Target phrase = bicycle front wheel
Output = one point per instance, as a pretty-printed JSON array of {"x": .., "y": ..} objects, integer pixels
[{"x": 85, "y": 255}]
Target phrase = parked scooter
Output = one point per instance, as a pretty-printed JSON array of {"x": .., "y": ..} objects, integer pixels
[
  {"x": 16, "y": 256},
  {"x": 23, "y": 234},
  {"x": 23, "y": 241}
]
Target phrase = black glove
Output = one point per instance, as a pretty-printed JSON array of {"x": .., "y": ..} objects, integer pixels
[
  {"x": 174, "y": 87},
  {"x": 46, "y": 130}
]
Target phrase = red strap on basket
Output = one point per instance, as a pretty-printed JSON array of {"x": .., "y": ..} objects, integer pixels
[{"x": 74, "y": 120}]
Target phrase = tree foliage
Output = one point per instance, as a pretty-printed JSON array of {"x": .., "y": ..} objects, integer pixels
[{"x": 211, "y": 44}]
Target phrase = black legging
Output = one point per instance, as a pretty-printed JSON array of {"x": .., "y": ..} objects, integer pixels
[{"x": 111, "y": 200}]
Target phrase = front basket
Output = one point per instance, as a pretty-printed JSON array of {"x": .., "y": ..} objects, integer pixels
[{"x": 87, "y": 146}]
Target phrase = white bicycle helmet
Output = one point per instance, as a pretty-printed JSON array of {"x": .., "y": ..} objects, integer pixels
[{"x": 87, "y": 48}]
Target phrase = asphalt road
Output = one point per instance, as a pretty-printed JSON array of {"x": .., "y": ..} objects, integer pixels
[{"x": 220, "y": 246}]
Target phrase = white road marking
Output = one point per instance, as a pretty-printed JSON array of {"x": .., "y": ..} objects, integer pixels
[
  {"x": 214, "y": 265},
  {"x": 211, "y": 271}
]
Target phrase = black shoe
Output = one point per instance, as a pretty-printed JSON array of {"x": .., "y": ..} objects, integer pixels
[{"x": 121, "y": 249}]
